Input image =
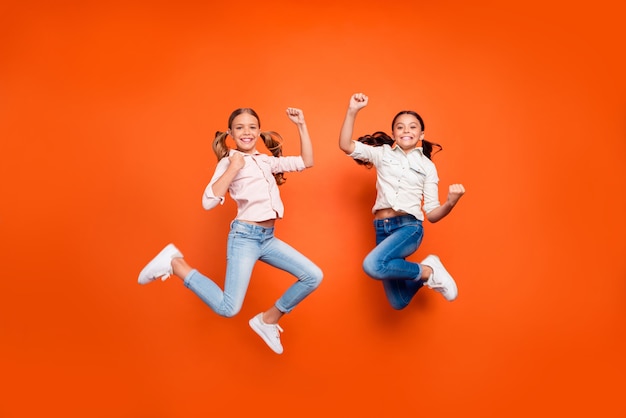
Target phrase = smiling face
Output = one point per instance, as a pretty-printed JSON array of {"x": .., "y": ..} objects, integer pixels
[
  {"x": 407, "y": 131},
  {"x": 245, "y": 130}
]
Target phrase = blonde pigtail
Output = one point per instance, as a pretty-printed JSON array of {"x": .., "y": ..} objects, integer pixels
[
  {"x": 219, "y": 145},
  {"x": 274, "y": 143}
]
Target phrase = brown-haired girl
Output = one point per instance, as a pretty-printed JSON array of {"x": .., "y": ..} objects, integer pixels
[{"x": 407, "y": 188}]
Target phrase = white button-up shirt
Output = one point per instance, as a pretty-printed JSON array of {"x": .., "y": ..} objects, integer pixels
[
  {"x": 254, "y": 188},
  {"x": 403, "y": 180}
]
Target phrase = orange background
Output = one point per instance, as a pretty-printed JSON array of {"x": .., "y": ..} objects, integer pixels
[{"x": 107, "y": 111}]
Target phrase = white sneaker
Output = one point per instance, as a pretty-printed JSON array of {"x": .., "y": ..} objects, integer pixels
[
  {"x": 160, "y": 266},
  {"x": 269, "y": 332},
  {"x": 440, "y": 280}
]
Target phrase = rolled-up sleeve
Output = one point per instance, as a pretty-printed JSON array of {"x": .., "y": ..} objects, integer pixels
[{"x": 209, "y": 200}]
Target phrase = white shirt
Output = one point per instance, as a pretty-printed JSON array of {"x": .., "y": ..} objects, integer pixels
[
  {"x": 254, "y": 188},
  {"x": 403, "y": 180}
]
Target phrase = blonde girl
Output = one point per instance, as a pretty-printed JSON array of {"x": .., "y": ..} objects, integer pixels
[{"x": 252, "y": 179}]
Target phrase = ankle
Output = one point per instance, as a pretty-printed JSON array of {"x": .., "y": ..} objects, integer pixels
[
  {"x": 180, "y": 267},
  {"x": 427, "y": 272}
]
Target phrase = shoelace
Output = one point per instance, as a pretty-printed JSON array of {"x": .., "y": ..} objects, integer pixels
[
  {"x": 277, "y": 330},
  {"x": 438, "y": 286},
  {"x": 163, "y": 277}
]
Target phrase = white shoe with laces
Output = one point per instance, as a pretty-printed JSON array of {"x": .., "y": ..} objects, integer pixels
[
  {"x": 440, "y": 280},
  {"x": 269, "y": 332},
  {"x": 160, "y": 266}
]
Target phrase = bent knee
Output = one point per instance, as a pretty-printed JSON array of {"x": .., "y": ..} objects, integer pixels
[
  {"x": 398, "y": 306},
  {"x": 315, "y": 278},
  {"x": 373, "y": 270},
  {"x": 229, "y": 312}
]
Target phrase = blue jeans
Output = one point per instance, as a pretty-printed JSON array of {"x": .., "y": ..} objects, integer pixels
[
  {"x": 396, "y": 239},
  {"x": 248, "y": 243}
]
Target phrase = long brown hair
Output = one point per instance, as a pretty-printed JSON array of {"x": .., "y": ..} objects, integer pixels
[{"x": 272, "y": 140}]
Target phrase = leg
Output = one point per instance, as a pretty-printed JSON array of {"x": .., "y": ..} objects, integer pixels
[
  {"x": 388, "y": 259},
  {"x": 400, "y": 292},
  {"x": 282, "y": 256},
  {"x": 396, "y": 239},
  {"x": 242, "y": 253}
]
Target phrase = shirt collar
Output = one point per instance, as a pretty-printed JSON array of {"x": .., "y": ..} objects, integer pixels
[
  {"x": 395, "y": 147},
  {"x": 232, "y": 150}
]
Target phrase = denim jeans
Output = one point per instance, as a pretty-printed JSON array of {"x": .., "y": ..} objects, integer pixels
[
  {"x": 396, "y": 239},
  {"x": 248, "y": 243}
]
